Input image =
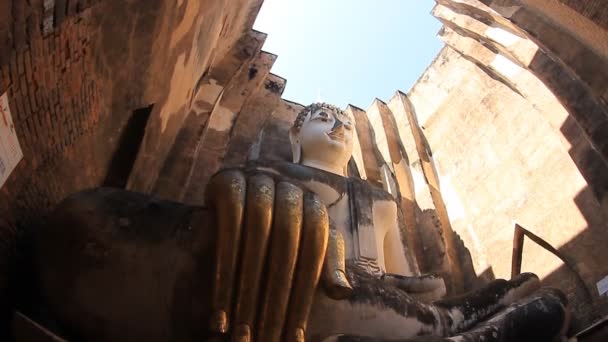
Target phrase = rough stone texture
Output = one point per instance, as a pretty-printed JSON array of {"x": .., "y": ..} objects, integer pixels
[
  {"x": 213, "y": 143},
  {"x": 571, "y": 67},
  {"x": 514, "y": 111},
  {"x": 371, "y": 155},
  {"x": 502, "y": 159},
  {"x": 75, "y": 86},
  {"x": 253, "y": 117},
  {"x": 56, "y": 106},
  {"x": 211, "y": 155},
  {"x": 558, "y": 84},
  {"x": 72, "y": 89},
  {"x": 274, "y": 141},
  {"x": 400, "y": 166},
  {"x": 595, "y": 10},
  {"x": 431, "y": 252},
  {"x": 209, "y": 31}
]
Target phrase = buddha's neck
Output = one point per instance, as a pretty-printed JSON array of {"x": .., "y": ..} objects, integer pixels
[{"x": 336, "y": 169}]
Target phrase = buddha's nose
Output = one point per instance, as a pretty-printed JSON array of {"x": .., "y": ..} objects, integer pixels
[{"x": 338, "y": 126}]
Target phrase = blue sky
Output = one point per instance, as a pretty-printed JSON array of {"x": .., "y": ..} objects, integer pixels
[{"x": 349, "y": 51}]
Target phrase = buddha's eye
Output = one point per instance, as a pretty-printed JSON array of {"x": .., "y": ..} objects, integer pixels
[
  {"x": 348, "y": 126},
  {"x": 323, "y": 116}
]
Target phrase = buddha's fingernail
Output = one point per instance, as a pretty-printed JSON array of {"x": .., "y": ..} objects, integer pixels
[
  {"x": 299, "y": 335},
  {"x": 340, "y": 288},
  {"x": 242, "y": 333},
  {"x": 219, "y": 322},
  {"x": 342, "y": 279}
]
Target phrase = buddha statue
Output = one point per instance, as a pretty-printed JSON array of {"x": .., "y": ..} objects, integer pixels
[
  {"x": 281, "y": 251},
  {"x": 365, "y": 217}
]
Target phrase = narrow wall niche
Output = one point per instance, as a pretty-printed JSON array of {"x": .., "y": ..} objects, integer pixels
[{"x": 125, "y": 155}]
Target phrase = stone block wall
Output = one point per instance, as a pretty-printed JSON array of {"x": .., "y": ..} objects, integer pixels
[
  {"x": 500, "y": 162},
  {"x": 78, "y": 72},
  {"x": 509, "y": 109},
  {"x": 594, "y": 10},
  {"x": 507, "y": 125}
]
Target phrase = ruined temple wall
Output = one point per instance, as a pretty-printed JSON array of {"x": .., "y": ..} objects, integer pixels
[
  {"x": 587, "y": 20},
  {"x": 595, "y": 10},
  {"x": 87, "y": 79},
  {"x": 501, "y": 160},
  {"x": 507, "y": 148},
  {"x": 571, "y": 61},
  {"x": 199, "y": 72}
]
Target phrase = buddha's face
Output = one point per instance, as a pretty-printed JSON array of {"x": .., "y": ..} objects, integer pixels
[{"x": 326, "y": 140}]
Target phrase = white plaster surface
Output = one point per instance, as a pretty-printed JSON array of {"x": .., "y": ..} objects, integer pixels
[
  {"x": 505, "y": 66},
  {"x": 10, "y": 150},
  {"x": 338, "y": 210},
  {"x": 387, "y": 239},
  {"x": 222, "y": 119},
  {"x": 502, "y": 36},
  {"x": 602, "y": 286}
]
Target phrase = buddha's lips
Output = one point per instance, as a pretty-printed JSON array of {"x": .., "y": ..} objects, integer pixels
[{"x": 336, "y": 135}]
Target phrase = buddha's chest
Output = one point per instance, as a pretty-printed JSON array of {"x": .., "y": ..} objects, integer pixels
[
  {"x": 362, "y": 214},
  {"x": 362, "y": 220}
]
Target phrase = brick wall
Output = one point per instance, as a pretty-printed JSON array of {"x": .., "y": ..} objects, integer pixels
[
  {"x": 77, "y": 71},
  {"x": 23, "y": 22},
  {"x": 55, "y": 103}
]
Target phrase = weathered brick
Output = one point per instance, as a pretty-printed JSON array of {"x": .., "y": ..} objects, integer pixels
[
  {"x": 20, "y": 63},
  {"x": 28, "y": 64},
  {"x": 14, "y": 72},
  {"x": 72, "y": 7},
  {"x": 23, "y": 86},
  {"x": 41, "y": 131},
  {"x": 32, "y": 98},
  {"x": 27, "y": 111},
  {"x": 30, "y": 135},
  {"x": 17, "y": 104}
]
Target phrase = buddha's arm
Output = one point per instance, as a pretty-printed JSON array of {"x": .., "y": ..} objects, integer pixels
[
  {"x": 426, "y": 288},
  {"x": 394, "y": 253}
]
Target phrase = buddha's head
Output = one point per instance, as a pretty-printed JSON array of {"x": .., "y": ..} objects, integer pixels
[{"x": 322, "y": 137}]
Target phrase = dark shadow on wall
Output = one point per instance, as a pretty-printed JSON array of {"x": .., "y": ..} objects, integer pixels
[
  {"x": 431, "y": 236},
  {"x": 588, "y": 160},
  {"x": 586, "y": 256},
  {"x": 130, "y": 140},
  {"x": 588, "y": 248},
  {"x": 176, "y": 170}
]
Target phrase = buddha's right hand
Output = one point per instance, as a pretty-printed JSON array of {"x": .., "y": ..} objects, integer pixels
[{"x": 271, "y": 244}]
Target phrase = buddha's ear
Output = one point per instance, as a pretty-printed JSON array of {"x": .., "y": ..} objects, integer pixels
[{"x": 296, "y": 147}]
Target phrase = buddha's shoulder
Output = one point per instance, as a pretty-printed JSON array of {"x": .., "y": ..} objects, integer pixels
[
  {"x": 296, "y": 172},
  {"x": 303, "y": 174}
]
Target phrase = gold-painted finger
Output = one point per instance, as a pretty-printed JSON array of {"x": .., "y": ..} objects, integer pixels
[
  {"x": 226, "y": 197},
  {"x": 256, "y": 235},
  {"x": 281, "y": 262},
  {"x": 313, "y": 245}
]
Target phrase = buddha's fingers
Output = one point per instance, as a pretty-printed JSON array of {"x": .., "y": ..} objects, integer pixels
[
  {"x": 258, "y": 221},
  {"x": 313, "y": 245},
  {"x": 226, "y": 196},
  {"x": 334, "y": 278},
  {"x": 281, "y": 261}
]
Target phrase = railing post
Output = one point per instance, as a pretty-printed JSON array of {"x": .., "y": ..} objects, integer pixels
[{"x": 518, "y": 247}]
